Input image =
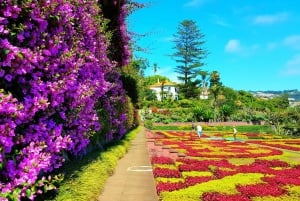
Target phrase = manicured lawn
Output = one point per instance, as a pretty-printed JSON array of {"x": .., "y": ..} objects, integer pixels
[{"x": 216, "y": 168}]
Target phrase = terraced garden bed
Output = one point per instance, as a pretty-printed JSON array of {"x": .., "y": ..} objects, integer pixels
[{"x": 216, "y": 168}]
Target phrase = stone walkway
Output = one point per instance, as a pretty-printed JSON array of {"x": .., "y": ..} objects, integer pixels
[{"x": 133, "y": 179}]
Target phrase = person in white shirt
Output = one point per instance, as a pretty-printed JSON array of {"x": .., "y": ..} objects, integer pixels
[{"x": 199, "y": 131}]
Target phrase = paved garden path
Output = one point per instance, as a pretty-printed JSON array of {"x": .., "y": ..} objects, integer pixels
[{"x": 133, "y": 179}]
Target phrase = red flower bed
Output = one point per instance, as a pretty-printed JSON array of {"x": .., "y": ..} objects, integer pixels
[
  {"x": 202, "y": 165},
  {"x": 161, "y": 160},
  {"x": 214, "y": 196},
  {"x": 255, "y": 168},
  {"x": 252, "y": 135},
  {"x": 272, "y": 163},
  {"x": 168, "y": 186},
  {"x": 281, "y": 180},
  {"x": 165, "y": 172},
  {"x": 223, "y": 173},
  {"x": 261, "y": 190},
  {"x": 190, "y": 181}
]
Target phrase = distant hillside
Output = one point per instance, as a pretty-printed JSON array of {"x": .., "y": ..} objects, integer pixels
[{"x": 291, "y": 93}]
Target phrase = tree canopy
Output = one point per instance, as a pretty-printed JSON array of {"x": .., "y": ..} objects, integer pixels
[{"x": 189, "y": 54}]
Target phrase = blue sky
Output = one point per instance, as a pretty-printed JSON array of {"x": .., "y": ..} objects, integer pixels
[{"x": 254, "y": 45}]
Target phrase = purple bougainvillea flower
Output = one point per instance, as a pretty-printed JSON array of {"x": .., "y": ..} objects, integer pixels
[
  {"x": 20, "y": 37},
  {"x": 61, "y": 73},
  {"x": 8, "y": 77},
  {"x": 2, "y": 72}
]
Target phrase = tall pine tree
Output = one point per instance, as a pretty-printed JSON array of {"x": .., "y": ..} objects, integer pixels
[{"x": 189, "y": 54}]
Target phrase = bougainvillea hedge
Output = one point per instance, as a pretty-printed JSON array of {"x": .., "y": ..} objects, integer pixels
[
  {"x": 54, "y": 73},
  {"x": 213, "y": 169}
]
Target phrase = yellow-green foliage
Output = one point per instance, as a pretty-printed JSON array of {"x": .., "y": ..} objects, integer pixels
[
  {"x": 184, "y": 127},
  {"x": 289, "y": 157},
  {"x": 294, "y": 190},
  {"x": 197, "y": 174},
  {"x": 226, "y": 185},
  {"x": 88, "y": 182},
  {"x": 171, "y": 180},
  {"x": 209, "y": 128},
  {"x": 169, "y": 166},
  {"x": 241, "y": 161},
  {"x": 129, "y": 108},
  {"x": 280, "y": 198}
]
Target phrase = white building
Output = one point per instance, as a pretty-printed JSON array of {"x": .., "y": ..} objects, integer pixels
[
  {"x": 204, "y": 93},
  {"x": 168, "y": 90}
]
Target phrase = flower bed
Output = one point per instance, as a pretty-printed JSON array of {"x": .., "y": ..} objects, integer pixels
[
  {"x": 290, "y": 144},
  {"x": 208, "y": 171}
]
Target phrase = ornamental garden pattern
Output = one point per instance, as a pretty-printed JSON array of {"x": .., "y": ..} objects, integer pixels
[{"x": 212, "y": 168}]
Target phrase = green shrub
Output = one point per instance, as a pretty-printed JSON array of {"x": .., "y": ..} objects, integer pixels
[
  {"x": 185, "y": 103},
  {"x": 130, "y": 117},
  {"x": 148, "y": 124}
]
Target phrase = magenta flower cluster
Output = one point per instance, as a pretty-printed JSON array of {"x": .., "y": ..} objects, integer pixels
[{"x": 53, "y": 70}]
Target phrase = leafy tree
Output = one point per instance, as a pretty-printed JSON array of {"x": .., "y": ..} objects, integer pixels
[
  {"x": 189, "y": 90},
  {"x": 132, "y": 78},
  {"x": 280, "y": 102},
  {"x": 215, "y": 89},
  {"x": 136, "y": 68},
  {"x": 189, "y": 54},
  {"x": 149, "y": 95},
  {"x": 292, "y": 126},
  {"x": 131, "y": 87},
  {"x": 204, "y": 81},
  {"x": 149, "y": 80},
  {"x": 228, "y": 103},
  {"x": 245, "y": 99},
  {"x": 203, "y": 112}
]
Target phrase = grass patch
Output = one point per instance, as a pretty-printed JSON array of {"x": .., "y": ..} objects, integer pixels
[
  {"x": 171, "y": 127},
  {"x": 85, "y": 178}
]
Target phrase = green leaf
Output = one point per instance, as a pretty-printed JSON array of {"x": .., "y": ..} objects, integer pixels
[
  {"x": 5, "y": 51},
  {"x": 20, "y": 55},
  {"x": 28, "y": 193}
]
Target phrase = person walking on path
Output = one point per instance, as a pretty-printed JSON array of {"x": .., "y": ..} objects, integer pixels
[
  {"x": 234, "y": 133},
  {"x": 199, "y": 130},
  {"x": 193, "y": 126}
]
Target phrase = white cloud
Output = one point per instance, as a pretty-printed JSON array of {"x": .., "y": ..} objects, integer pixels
[
  {"x": 292, "y": 66},
  {"x": 270, "y": 19},
  {"x": 233, "y": 46},
  {"x": 220, "y": 21},
  {"x": 292, "y": 41}
]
